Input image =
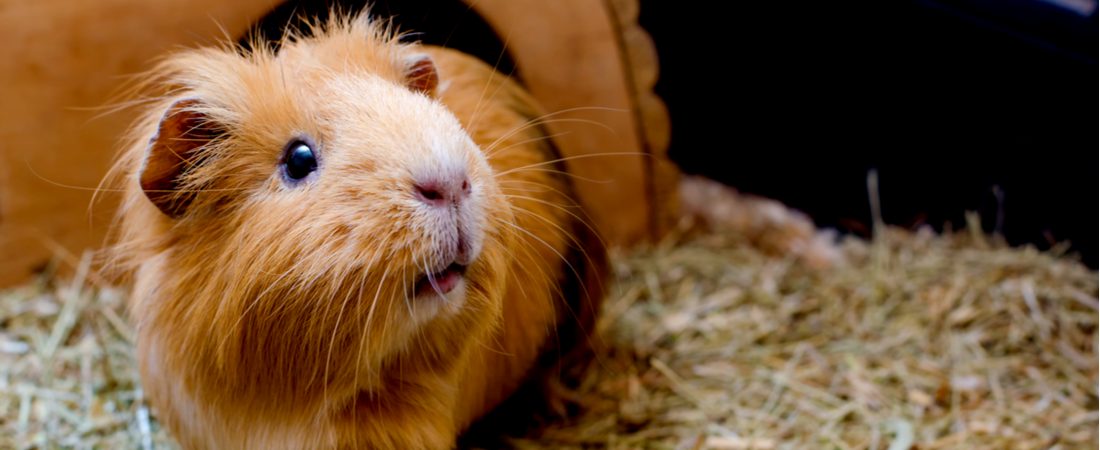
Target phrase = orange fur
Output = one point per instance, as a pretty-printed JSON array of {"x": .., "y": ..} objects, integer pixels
[{"x": 274, "y": 316}]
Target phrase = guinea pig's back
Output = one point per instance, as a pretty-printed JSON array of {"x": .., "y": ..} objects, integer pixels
[{"x": 554, "y": 286}]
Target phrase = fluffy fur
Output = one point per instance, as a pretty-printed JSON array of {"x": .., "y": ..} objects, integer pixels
[{"x": 282, "y": 315}]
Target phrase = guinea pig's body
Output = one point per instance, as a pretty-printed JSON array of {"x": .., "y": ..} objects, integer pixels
[{"x": 348, "y": 243}]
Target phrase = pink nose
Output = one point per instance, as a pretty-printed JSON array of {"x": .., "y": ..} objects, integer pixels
[{"x": 441, "y": 193}]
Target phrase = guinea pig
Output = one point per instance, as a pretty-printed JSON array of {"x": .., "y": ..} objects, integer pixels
[{"x": 348, "y": 241}]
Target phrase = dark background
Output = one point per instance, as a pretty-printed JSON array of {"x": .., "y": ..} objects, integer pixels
[
  {"x": 947, "y": 99},
  {"x": 448, "y": 23},
  {"x": 950, "y": 100}
]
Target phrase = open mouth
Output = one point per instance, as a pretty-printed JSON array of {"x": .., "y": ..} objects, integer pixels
[{"x": 441, "y": 282}]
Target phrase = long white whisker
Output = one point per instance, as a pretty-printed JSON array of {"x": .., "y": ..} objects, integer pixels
[
  {"x": 366, "y": 330},
  {"x": 566, "y": 261},
  {"x": 489, "y": 82},
  {"x": 569, "y": 158},
  {"x": 536, "y": 122},
  {"x": 332, "y": 294},
  {"x": 576, "y": 243},
  {"x": 332, "y": 344},
  {"x": 533, "y": 169},
  {"x": 583, "y": 220},
  {"x": 490, "y": 155}
]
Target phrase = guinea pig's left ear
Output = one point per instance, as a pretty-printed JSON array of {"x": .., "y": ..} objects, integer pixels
[
  {"x": 420, "y": 73},
  {"x": 172, "y": 151}
]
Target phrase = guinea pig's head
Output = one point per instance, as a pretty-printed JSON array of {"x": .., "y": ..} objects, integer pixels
[{"x": 312, "y": 216}]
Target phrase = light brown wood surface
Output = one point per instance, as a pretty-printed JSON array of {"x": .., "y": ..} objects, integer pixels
[
  {"x": 64, "y": 59},
  {"x": 598, "y": 130}
]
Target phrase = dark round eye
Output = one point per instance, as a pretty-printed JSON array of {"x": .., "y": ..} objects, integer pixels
[{"x": 300, "y": 161}]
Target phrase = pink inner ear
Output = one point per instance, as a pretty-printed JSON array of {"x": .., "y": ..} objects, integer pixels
[{"x": 422, "y": 75}]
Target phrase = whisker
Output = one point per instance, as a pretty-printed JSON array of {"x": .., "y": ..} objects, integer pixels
[
  {"x": 495, "y": 152},
  {"x": 552, "y": 287},
  {"x": 109, "y": 109},
  {"x": 525, "y": 190},
  {"x": 325, "y": 377},
  {"x": 569, "y": 158},
  {"x": 587, "y": 294},
  {"x": 504, "y": 48},
  {"x": 366, "y": 327},
  {"x": 583, "y": 221},
  {"x": 431, "y": 281},
  {"x": 557, "y": 230},
  {"x": 332, "y": 343},
  {"x": 566, "y": 261},
  {"x": 366, "y": 330},
  {"x": 542, "y": 120},
  {"x": 577, "y": 244},
  {"x": 561, "y": 206},
  {"x": 98, "y": 189},
  {"x": 389, "y": 308},
  {"x": 408, "y": 303},
  {"x": 537, "y": 122},
  {"x": 485, "y": 113},
  {"x": 499, "y": 352},
  {"x": 532, "y": 169}
]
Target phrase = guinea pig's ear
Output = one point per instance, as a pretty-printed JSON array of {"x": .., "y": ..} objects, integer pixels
[
  {"x": 183, "y": 130},
  {"x": 421, "y": 74}
]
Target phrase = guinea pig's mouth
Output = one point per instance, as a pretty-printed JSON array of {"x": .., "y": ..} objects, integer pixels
[{"x": 440, "y": 282}]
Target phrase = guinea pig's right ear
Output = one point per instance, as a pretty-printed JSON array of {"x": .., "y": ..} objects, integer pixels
[
  {"x": 421, "y": 74},
  {"x": 183, "y": 130}
]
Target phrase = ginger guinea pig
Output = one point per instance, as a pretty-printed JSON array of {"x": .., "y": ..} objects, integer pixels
[{"x": 348, "y": 242}]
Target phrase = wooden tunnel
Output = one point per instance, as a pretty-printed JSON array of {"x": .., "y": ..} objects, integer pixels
[{"x": 64, "y": 59}]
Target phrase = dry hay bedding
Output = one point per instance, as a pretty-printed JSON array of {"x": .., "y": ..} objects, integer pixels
[{"x": 919, "y": 341}]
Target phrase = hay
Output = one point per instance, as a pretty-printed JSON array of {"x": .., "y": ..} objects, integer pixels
[
  {"x": 68, "y": 378},
  {"x": 919, "y": 341}
]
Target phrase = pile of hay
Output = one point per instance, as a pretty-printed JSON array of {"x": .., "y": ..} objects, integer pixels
[{"x": 919, "y": 341}]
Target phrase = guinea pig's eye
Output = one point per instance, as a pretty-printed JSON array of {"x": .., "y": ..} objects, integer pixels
[{"x": 300, "y": 161}]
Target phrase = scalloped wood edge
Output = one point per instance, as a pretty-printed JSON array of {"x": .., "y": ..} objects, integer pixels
[{"x": 651, "y": 114}]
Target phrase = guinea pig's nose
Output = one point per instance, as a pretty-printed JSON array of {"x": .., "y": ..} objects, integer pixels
[{"x": 437, "y": 192}]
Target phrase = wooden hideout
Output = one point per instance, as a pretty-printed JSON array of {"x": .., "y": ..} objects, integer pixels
[{"x": 66, "y": 59}]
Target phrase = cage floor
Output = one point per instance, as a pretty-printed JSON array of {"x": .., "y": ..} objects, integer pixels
[{"x": 918, "y": 341}]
